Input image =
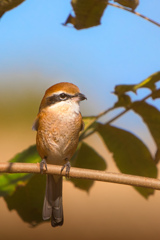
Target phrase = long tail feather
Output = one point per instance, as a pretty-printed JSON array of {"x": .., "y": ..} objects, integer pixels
[{"x": 52, "y": 207}]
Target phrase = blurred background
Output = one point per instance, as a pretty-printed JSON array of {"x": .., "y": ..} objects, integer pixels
[{"x": 37, "y": 51}]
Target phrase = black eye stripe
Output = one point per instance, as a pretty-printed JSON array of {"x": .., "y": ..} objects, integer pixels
[{"x": 58, "y": 98}]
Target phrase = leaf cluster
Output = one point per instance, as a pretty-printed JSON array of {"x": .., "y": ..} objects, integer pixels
[
  {"x": 87, "y": 13},
  {"x": 130, "y": 154}
]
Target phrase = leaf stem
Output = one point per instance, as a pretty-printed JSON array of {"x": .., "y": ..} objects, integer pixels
[
  {"x": 104, "y": 112},
  {"x": 136, "y": 13},
  {"x": 129, "y": 108},
  {"x": 116, "y": 117}
]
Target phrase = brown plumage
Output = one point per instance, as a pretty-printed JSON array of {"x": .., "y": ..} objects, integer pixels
[{"x": 58, "y": 124}]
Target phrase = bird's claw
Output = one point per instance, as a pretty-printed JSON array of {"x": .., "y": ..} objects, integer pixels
[
  {"x": 42, "y": 164},
  {"x": 67, "y": 165}
]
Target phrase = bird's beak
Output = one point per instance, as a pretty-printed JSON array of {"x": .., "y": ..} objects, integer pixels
[{"x": 81, "y": 97}]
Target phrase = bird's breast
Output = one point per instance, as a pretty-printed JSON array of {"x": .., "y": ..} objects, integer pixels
[{"x": 58, "y": 134}]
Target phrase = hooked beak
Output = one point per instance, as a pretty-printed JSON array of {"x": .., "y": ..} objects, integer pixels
[{"x": 81, "y": 96}]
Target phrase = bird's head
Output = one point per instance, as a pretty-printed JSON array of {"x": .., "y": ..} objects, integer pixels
[{"x": 59, "y": 92}]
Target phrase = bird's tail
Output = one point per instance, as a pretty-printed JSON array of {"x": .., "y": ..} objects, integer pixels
[{"x": 52, "y": 207}]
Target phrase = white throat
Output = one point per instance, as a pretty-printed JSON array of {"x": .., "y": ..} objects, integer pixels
[
  {"x": 76, "y": 107},
  {"x": 73, "y": 105}
]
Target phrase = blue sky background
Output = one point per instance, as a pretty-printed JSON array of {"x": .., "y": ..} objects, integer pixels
[{"x": 36, "y": 51}]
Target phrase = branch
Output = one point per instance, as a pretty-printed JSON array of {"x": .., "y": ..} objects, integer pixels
[
  {"x": 82, "y": 174},
  {"x": 116, "y": 117},
  {"x": 136, "y": 13}
]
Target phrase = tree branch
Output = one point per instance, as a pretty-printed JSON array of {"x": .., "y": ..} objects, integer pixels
[
  {"x": 116, "y": 117},
  {"x": 136, "y": 13},
  {"x": 82, "y": 174}
]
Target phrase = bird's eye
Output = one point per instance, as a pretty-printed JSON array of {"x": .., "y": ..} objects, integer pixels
[{"x": 63, "y": 96}]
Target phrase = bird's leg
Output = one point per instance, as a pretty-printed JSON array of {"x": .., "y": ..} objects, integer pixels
[
  {"x": 67, "y": 165},
  {"x": 42, "y": 164}
]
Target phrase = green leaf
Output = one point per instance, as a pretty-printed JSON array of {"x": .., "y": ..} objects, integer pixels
[
  {"x": 88, "y": 121},
  {"x": 8, "y": 5},
  {"x": 123, "y": 101},
  {"x": 87, "y": 13},
  {"x": 28, "y": 200},
  {"x": 30, "y": 155},
  {"x": 128, "y": 3},
  {"x": 86, "y": 157},
  {"x": 130, "y": 154},
  {"x": 88, "y": 126},
  {"x": 157, "y": 156},
  {"x": 123, "y": 88},
  {"x": 151, "y": 117},
  {"x": 156, "y": 94},
  {"x": 147, "y": 83},
  {"x": 9, "y": 182}
]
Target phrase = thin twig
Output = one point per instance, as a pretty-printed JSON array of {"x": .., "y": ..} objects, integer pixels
[
  {"x": 116, "y": 117},
  {"x": 83, "y": 134},
  {"x": 129, "y": 108},
  {"x": 104, "y": 113},
  {"x": 136, "y": 13},
  {"x": 82, "y": 174}
]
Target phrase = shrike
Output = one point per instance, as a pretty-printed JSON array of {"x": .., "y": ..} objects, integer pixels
[{"x": 58, "y": 125}]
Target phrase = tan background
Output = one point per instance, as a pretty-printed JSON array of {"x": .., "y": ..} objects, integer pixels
[{"x": 109, "y": 211}]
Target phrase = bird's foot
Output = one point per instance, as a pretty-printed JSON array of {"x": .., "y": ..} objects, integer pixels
[
  {"x": 67, "y": 165},
  {"x": 42, "y": 164}
]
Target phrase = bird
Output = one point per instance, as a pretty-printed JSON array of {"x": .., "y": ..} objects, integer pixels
[{"x": 58, "y": 124}]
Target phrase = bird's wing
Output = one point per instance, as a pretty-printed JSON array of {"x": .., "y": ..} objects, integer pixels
[{"x": 35, "y": 124}]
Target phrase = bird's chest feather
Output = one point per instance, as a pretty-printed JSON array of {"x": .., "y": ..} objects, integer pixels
[{"x": 58, "y": 131}]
